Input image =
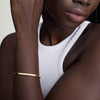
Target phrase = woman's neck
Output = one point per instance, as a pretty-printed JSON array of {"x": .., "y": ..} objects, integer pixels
[{"x": 52, "y": 33}]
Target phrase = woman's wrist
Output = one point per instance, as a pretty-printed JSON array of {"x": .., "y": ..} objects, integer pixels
[
  {"x": 27, "y": 53},
  {"x": 27, "y": 59},
  {"x": 27, "y": 32}
]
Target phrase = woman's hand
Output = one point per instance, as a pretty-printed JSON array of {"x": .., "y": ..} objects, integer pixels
[{"x": 26, "y": 14}]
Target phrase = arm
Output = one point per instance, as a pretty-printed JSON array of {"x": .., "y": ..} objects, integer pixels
[
  {"x": 26, "y": 16},
  {"x": 7, "y": 63}
]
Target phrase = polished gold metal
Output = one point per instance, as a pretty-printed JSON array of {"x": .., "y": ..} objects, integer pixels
[{"x": 26, "y": 74}]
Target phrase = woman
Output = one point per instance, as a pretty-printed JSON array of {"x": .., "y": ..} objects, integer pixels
[{"x": 63, "y": 51}]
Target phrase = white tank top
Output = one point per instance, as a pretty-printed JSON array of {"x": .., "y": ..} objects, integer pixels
[{"x": 51, "y": 58}]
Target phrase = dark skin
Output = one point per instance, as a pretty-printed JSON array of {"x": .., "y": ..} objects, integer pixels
[{"x": 18, "y": 52}]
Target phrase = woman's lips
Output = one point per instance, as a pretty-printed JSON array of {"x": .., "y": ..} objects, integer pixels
[{"x": 76, "y": 14}]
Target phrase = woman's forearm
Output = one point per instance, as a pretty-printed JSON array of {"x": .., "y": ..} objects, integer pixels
[
  {"x": 27, "y": 52},
  {"x": 27, "y": 87},
  {"x": 26, "y": 15}
]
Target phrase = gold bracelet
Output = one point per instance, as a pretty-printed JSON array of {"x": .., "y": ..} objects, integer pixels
[{"x": 26, "y": 74}]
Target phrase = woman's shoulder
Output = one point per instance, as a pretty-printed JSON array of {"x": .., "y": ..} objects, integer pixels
[
  {"x": 95, "y": 27},
  {"x": 91, "y": 52},
  {"x": 92, "y": 34},
  {"x": 9, "y": 42},
  {"x": 9, "y": 38},
  {"x": 8, "y": 51},
  {"x": 7, "y": 64}
]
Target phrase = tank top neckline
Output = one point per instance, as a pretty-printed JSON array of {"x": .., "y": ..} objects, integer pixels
[{"x": 58, "y": 45}]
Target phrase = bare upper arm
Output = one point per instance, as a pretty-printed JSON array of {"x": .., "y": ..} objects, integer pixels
[
  {"x": 7, "y": 63},
  {"x": 82, "y": 81}
]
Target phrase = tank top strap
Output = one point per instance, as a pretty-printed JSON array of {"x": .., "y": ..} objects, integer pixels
[{"x": 70, "y": 44}]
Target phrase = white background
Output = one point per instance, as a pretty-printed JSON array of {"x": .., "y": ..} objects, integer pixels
[{"x": 6, "y": 23}]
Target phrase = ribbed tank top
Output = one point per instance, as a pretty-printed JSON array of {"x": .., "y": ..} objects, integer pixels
[{"x": 51, "y": 58}]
